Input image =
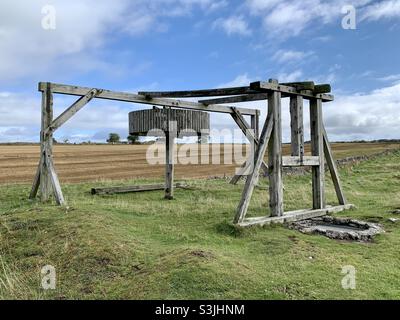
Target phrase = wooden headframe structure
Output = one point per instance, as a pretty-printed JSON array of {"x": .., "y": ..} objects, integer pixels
[
  {"x": 270, "y": 139},
  {"x": 46, "y": 179}
]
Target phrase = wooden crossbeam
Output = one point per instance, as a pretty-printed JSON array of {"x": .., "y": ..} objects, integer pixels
[
  {"x": 322, "y": 88},
  {"x": 135, "y": 98},
  {"x": 236, "y": 99},
  {"x": 72, "y": 110},
  {"x": 287, "y": 90},
  {"x": 248, "y": 94},
  {"x": 199, "y": 93},
  {"x": 299, "y": 162},
  {"x": 305, "y": 85}
]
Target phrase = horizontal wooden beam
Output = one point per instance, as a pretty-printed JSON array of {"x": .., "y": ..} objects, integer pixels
[
  {"x": 261, "y": 86},
  {"x": 199, "y": 93},
  {"x": 299, "y": 162},
  {"x": 135, "y": 98},
  {"x": 293, "y": 216},
  {"x": 129, "y": 189},
  {"x": 322, "y": 88},
  {"x": 236, "y": 99},
  {"x": 307, "y": 85}
]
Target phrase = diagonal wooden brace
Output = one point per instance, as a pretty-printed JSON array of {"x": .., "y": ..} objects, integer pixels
[
  {"x": 73, "y": 109},
  {"x": 252, "y": 178},
  {"x": 249, "y": 133},
  {"x": 333, "y": 169}
]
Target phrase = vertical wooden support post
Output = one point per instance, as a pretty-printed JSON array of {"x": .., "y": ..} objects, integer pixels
[
  {"x": 46, "y": 143},
  {"x": 275, "y": 156},
  {"x": 255, "y": 124},
  {"x": 317, "y": 149},
  {"x": 169, "y": 157},
  {"x": 297, "y": 126}
]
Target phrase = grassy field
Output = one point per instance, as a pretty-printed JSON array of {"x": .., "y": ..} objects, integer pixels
[
  {"x": 80, "y": 163},
  {"x": 139, "y": 246}
]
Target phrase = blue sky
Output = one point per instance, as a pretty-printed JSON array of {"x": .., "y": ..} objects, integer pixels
[{"x": 193, "y": 44}]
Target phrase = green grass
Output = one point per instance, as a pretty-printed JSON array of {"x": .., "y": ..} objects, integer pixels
[{"x": 139, "y": 246}]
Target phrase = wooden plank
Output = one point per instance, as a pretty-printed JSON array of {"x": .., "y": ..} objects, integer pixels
[
  {"x": 46, "y": 142},
  {"x": 130, "y": 97},
  {"x": 317, "y": 149},
  {"x": 297, "y": 126},
  {"x": 293, "y": 216},
  {"x": 333, "y": 169},
  {"x": 260, "y": 96},
  {"x": 275, "y": 156},
  {"x": 252, "y": 178},
  {"x": 199, "y": 93},
  {"x": 132, "y": 189},
  {"x": 269, "y": 86},
  {"x": 170, "y": 135},
  {"x": 71, "y": 111},
  {"x": 299, "y": 162},
  {"x": 236, "y": 99},
  {"x": 307, "y": 85}
]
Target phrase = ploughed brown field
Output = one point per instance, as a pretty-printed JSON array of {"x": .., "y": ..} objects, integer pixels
[{"x": 78, "y": 163}]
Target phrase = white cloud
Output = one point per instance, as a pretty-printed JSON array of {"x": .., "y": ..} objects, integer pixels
[
  {"x": 366, "y": 116},
  {"x": 290, "y": 77},
  {"x": 390, "y": 78},
  {"x": 382, "y": 9},
  {"x": 288, "y": 18},
  {"x": 240, "y": 81},
  {"x": 233, "y": 25},
  {"x": 291, "y": 56},
  {"x": 83, "y": 29}
]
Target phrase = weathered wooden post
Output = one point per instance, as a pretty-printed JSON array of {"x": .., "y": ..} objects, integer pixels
[
  {"x": 317, "y": 149},
  {"x": 170, "y": 134},
  {"x": 297, "y": 126},
  {"x": 46, "y": 143},
  {"x": 275, "y": 156}
]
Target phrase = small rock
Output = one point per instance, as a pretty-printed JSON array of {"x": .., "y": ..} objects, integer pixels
[
  {"x": 394, "y": 220},
  {"x": 397, "y": 211}
]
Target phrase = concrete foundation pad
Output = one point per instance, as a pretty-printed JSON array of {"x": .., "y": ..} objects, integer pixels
[{"x": 339, "y": 228}]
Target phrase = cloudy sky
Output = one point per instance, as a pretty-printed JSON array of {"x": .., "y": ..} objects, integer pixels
[{"x": 191, "y": 44}]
